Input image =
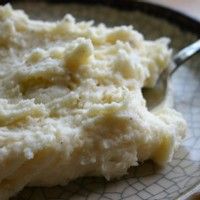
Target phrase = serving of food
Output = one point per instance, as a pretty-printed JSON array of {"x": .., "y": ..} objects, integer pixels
[{"x": 71, "y": 102}]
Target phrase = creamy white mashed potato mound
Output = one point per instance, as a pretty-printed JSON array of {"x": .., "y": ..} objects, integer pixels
[{"x": 71, "y": 103}]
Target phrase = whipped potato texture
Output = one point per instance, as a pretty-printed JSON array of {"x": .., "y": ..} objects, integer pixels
[{"x": 71, "y": 103}]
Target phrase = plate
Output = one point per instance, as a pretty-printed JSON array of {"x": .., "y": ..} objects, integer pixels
[{"x": 177, "y": 179}]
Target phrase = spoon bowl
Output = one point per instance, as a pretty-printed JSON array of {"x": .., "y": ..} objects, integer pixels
[{"x": 157, "y": 95}]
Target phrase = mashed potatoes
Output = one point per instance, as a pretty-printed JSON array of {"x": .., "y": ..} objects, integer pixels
[{"x": 71, "y": 103}]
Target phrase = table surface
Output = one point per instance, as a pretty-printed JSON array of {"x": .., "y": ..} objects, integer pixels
[{"x": 188, "y": 7}]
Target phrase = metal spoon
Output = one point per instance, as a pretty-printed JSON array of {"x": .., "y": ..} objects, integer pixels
[{"x": 156, "y": 96}]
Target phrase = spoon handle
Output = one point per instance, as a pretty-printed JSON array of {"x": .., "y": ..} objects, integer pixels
[{"x": 185, "y": 54}]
